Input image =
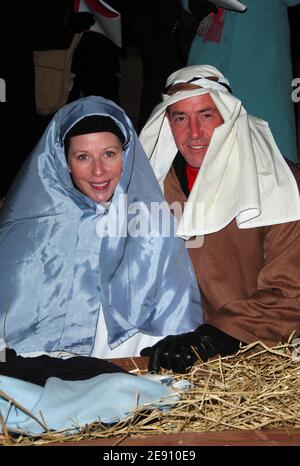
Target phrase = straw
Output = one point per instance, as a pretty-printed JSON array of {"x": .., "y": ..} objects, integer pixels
[{"x": 257, "y": 388}]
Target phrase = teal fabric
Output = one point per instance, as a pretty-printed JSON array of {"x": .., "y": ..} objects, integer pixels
[
  {"x": 255, "y": 56},
  {"x": 59, "y": 258},
  {"x": 69, "y": 405}
]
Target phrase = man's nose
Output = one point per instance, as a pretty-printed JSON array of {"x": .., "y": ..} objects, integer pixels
[
  {"x": 98, "y": 167},
  {"x": 195, "y": 128}
]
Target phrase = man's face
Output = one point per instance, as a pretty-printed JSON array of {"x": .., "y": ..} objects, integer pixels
[{"x": 192, "y": 122}]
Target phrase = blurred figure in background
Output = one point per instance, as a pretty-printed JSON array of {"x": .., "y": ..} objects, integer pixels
[
  {"x": 294, "y": 18},
  {"x": 162, "y": 31},
  {"x": 253, "y": 50},
  {"x": 96, "y": 60},
  {"x": 52, "y": 26}
]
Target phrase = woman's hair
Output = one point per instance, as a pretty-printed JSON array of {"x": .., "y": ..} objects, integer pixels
[{"x": 93, "y": 124}]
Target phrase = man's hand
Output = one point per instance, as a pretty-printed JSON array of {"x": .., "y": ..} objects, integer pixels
[{"x": 179, "y": 352}]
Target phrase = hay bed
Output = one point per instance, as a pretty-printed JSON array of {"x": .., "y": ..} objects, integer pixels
[{"x": 257, "y": 388}]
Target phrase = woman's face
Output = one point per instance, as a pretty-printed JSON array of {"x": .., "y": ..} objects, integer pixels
[{"x": 95, "y": 162}]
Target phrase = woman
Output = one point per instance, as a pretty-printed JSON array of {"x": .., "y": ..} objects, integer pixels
[{"x": 80, "y": 272}]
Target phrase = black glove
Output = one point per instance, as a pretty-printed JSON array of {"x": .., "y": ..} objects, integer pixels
[
  {"x": 175, "y": 351},
  {"x": 202, "y": 8},
  {"x": 81, "y": 21},
  {"x": 40, "y": 368}
]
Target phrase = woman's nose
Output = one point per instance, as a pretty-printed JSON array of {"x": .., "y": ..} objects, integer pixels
[{"x": 98, "y": 167}]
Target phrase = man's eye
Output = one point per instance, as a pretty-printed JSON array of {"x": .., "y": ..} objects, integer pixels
[{"x": 179, "y": 119}]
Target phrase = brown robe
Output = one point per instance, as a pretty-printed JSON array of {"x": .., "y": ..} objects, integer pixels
[{"x": 249, "y": 278}]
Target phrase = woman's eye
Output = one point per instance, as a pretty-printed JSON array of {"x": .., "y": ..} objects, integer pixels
[
  {"x": 109, "y": 154},
  {"x": 82, "y": 157}
]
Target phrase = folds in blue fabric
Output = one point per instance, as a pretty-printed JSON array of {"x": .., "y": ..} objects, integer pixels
[
  {"x": 62, "y": 255},
  {"x": 70, "y": 405}
]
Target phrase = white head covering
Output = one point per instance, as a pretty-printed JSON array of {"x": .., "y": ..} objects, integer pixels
[{"x": 243, "y": 175}]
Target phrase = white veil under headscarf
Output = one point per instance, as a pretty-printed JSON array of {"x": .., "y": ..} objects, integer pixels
[{"x": 243, "y": 175}]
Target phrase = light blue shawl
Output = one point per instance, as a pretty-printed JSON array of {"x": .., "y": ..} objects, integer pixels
[{"x": 57, "y": 265}]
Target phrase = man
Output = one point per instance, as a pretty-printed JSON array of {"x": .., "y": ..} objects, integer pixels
[{"x": 248, "y": 267}]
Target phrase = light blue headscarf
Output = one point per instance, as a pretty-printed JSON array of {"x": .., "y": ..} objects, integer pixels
[{"x": 56, "y": 268}]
